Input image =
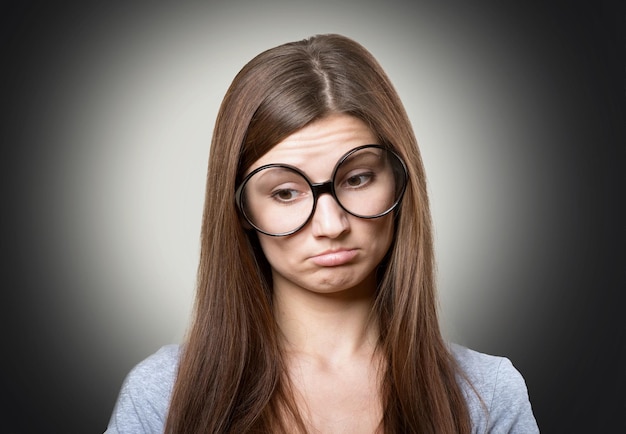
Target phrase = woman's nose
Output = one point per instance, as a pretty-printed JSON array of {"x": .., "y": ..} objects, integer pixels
[{"x": 329, "y": 219}]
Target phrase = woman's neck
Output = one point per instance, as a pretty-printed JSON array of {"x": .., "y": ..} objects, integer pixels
[
  {"x": 331, "y": 328},
  {"x": 333, "y": 368}
]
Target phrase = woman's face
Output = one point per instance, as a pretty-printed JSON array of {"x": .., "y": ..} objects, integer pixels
[{"x": 334, "y": 251}]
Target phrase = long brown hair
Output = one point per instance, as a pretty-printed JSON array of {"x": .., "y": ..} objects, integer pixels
[{"x": 231, "y": 377}]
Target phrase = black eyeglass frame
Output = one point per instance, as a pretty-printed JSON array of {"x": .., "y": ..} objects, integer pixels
[{"x": 320, "y": 188}]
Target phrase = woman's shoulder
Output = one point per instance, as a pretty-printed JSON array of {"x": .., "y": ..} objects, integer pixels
[
  {"x": 480, "y": 366},
  {"x": 144, "y": 398},
  {"x": 495, "y": 391},
  {"x": 161, "y": 363},
  {"x": 155, "y": 375}
]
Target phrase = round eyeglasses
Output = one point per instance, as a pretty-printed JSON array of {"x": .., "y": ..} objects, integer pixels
[{"x": 278, "y": 199}]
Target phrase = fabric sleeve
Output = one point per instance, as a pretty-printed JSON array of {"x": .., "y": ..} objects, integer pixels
[
  {"x": 143, "y": 400},
  {"x": 495, "y": 392},
  {"x": 509, "y": 405}
]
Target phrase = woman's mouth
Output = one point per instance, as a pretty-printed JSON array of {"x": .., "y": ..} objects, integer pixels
[{"x": 333, "y": 258}]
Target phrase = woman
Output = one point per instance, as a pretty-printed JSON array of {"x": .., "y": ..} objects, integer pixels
[{"x": 316, "y": 306}]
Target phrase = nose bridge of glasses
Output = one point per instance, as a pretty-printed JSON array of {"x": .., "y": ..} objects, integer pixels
[
  {"x": 322, "y": 188},
  {"x": 327, "y": 215}
]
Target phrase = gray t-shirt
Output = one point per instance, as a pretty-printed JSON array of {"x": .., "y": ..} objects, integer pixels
[{"x": 144, "y": 399}]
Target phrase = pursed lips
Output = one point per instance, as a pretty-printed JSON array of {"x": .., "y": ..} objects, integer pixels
[{"x": 334, "y": 257}]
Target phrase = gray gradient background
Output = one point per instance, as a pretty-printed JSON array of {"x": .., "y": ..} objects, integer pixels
[{"x": 108, "y": 112}]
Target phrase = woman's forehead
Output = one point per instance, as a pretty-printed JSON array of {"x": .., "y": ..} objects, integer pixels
[{"x": 317, "y": 147}]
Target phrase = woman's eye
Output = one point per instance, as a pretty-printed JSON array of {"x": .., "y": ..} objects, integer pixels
[
  {"x": 285, "y": 195},
  {"x": 359, "y": 180}
]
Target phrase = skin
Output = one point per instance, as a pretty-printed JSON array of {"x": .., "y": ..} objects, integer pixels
[{"x": 324, "y": 285}]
